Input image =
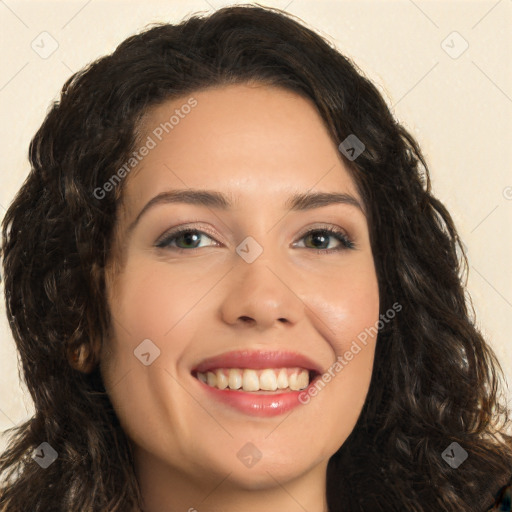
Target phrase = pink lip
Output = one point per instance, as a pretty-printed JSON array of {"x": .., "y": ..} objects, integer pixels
[
  {"x": 257, "y": 404},
  {"x": 257, "y": 360}
]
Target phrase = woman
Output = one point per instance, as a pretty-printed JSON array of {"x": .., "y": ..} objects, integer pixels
[{"x": 256, "y": 369}]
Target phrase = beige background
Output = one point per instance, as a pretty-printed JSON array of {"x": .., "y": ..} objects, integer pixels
[{"x": 459, "y": 109}]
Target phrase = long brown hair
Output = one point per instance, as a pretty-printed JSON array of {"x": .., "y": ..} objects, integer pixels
[{"x": 435, "y": 380}]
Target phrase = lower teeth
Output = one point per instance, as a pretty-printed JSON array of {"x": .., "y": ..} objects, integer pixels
[{"x": 261, "y": 391}]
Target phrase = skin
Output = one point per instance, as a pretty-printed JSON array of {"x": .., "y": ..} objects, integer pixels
[{"x": 259, "y": 144}]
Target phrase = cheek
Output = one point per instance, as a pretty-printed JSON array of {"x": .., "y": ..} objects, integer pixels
[
  {"x": 346, "y": 305},
  {"x": 345, "y": 310},
  {"x": 152, "y": 302},
  {"x": 148, "y": 307},
  {"x": 142, "y": 309}
]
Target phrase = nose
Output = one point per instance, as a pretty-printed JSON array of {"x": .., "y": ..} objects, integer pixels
[{"x": 261, "y": 295}]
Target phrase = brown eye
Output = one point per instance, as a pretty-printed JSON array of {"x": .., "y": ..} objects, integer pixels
[
  {"x": 189, "y": 237},
  {"x": 321, "y": 238}
]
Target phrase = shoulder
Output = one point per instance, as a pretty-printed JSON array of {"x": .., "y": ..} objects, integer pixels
[{"x": 503, "y": 500}]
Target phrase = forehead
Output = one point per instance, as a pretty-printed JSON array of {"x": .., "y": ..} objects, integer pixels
[{"x": 251, "y": 141}]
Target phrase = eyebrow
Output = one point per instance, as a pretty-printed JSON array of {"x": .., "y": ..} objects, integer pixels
[{"x": 220, "y": 201}]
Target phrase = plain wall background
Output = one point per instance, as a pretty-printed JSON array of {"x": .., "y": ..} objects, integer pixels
[{"x": 457, "y": 102}]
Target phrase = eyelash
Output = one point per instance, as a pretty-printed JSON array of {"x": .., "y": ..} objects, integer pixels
[{"x": 346, "y": 242}]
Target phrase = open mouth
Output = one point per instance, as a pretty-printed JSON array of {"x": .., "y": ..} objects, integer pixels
[{"x": 258, "y": 381}]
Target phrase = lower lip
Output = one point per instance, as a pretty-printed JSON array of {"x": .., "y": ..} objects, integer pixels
[{"x": 256, "y": 404}]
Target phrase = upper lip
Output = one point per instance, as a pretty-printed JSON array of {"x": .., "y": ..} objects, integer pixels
[{"x": 257, "y": 360}]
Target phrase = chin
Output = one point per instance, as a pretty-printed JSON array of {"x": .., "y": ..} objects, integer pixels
[{"x": 264, "y": 476}]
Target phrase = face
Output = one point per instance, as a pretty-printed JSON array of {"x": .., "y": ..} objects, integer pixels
[{"x": 292, "y": 286}]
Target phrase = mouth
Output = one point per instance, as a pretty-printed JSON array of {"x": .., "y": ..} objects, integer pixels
[{"x": 258, "y": 381}]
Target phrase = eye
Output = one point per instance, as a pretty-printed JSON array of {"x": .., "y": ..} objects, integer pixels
[
  {"x": 320, "y": 237},
  {"x": 188, "y": 238}
]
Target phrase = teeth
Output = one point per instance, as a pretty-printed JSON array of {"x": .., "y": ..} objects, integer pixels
[
  {"x": 282, "y": 379},
  {"x": 298, "y": 380},
  {"x": 292, "y": 381},
  {"x": 250, "y": 381},
  {"x": 222, "y": 380},
  {"x": 235, "y": 379},
  {"x": 269, "y": 379},
  {"x": 211, "y": 379},
  {"x": 303, "y": 380}
]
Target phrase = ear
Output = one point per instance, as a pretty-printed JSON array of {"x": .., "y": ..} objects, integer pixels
[{"x": 83, "y": 358}]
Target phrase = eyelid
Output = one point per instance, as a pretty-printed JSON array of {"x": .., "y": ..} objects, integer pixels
[
  {"x": 346, "y": 241},
  {"x": 185, "y": 227},
  {"x": 322, "y": 226},
  {"x": 334, "y": 231}
]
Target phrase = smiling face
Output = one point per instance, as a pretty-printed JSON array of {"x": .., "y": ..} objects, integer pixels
[{"x": 288, "y": 287}]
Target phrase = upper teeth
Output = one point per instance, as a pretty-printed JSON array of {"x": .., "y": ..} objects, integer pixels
[{"x": 269, "y": 379}]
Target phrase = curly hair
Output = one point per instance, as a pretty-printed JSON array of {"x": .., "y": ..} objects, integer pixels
[{"x": 435, "y": 379}]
